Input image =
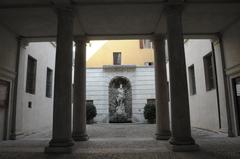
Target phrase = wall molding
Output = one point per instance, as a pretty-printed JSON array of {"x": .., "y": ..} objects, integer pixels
[
  {"x": 7, "y": 73},
  {"x": 233, "y": 70}
]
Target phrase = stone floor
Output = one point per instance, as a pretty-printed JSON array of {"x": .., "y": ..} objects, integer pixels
[{"x": 116, "y": 141}]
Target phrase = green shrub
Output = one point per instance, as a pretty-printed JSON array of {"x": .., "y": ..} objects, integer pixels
[
  {"x": 150, "y": 113},
  {"x": 91, "y": 111}
]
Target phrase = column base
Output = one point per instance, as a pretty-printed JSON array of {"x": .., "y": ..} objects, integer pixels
[
  {"x": 80, "y": 137},
  {"x": 15, "y": 136},
  {"x": 182, "y": 144},
  {"x": 58, "y": 149},
  {"x": 59, "y": 146},
  {"x": 183, "y": 148},
  {"x": 163, "y": 136},
  {"x": 182, "y": 141}
]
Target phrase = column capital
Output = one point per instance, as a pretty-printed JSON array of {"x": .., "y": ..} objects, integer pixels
[
  {"x": 173, "y": 9},
  {"x": 159, "y": 37},
  {"x": 80, "y": 40},
  {"x": 23, "y": 43},
  {"x": 65, "y": 10}
]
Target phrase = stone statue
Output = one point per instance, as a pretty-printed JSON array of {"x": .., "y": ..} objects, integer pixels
[{"x": 120, "y": 108}]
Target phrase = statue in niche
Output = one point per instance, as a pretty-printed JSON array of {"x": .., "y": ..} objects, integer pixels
[
  {"x": 120, "y": 107},
  {"x": 120, "y": 100}
]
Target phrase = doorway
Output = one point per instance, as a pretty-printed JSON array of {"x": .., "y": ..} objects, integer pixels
[
  {"x": 236, "y": 89},
  {"x": 4, "y": 100}
]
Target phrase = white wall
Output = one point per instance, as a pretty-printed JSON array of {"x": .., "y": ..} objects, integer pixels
[
  {"x": 203, "y": 105},
  {"x": 97, "y": 90},
  {"x": 8, "y": 56},
  {"x": 40, "y": 115},
  {"x": 142, "y": 82},
  {"x": 144, "y": 89}
]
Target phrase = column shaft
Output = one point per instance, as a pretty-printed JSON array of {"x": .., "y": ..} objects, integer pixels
[
  {"x": 61, "y": 133},
  {"x": 162, "y": 110},
  {"x": 79, "y": 98},
  {"x": 180, "y": 115}
]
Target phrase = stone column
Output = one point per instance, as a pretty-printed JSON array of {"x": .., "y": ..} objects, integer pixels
[
  {"x": 181, "y": 139},
  {"x": 79, "y": 98},
  {"x": 61, "y": 134},
  {"x": 162, "y": 111}
]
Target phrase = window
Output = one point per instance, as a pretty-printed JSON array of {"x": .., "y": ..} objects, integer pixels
[
  {"x": 145, "y": 44},
  {"x": 49, "y": 83},
  {"x": 209, "y": 71},
  {"x": 192, "y": 82},
  {"x": 151, "y": 101},
  {"x": 117, "y": 58},
  {"x": 31, "y": 75}
]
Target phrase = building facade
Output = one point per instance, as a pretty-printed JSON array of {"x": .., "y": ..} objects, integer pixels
[
  {"x": 35, "y": 102},
  {"x": 141, "y": 81},
  {"x": 35, "y": 88},
  {"x": 117, "y": 59},
  {"x": 207, "y": 105},
  {"x": 206, "y": 88}
]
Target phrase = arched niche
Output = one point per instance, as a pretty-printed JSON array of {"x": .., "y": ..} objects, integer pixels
[{"x": 120, "y": 100}]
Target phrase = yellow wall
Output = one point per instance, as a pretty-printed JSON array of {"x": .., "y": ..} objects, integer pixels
[{"x": 130, "y": 53}]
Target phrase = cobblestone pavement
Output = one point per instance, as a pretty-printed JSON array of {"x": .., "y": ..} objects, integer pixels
[
  {"x": 110, "y": 141},
  {"x": 128, "y": 130}
]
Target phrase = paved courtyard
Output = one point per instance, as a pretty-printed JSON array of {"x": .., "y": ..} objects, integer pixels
[{"x": 110, "y": 141}]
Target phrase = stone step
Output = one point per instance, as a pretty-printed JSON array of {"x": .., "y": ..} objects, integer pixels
[
  {"x": 119, "y": 148},
  {"x": 106, "y": 154}
]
